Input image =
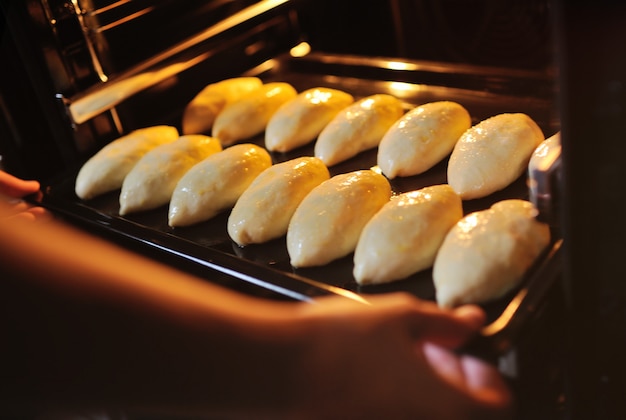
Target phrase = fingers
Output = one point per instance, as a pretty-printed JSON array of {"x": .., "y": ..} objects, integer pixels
[
  {"x": 485, "y": 382},
  {"x": 31, "y": 214},
  {"x": 16, "y": 187},
  {"x": 424, "y": 320},
  {"x": 11, "y": 190},
  {"x": 12, "y": 206},
  {"x": 449, "y": 328},
  {"x": 15, "y": 208},
  {"x": 444, "y": 363},
  {"x": 480, "y": 383}
]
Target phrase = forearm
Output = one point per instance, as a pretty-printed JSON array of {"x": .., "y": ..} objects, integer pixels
[{"x": 122, "y": 330}]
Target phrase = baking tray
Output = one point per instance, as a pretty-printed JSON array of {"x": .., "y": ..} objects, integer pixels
[{"x": 207, "y": 251}]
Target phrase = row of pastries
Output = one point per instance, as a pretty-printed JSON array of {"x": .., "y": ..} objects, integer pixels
[{"x": 210, "y": 168}]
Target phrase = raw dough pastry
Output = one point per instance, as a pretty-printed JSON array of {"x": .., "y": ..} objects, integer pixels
[
  {"x": 357, "y": 128},
  {"x": 486, "y": 254},
  {"x": 152, "y": 180},
  {"x": 105, "y": 171},
  {"x": 300, "y": 120},
  {"x": 327, "y": 223},
  {"x": 200, "y": 113},
  {"x": 405, "y": 235},
  {"x": 491, "y": 155},
  {"x": 423, "y": 137},
  {"x": 216, "y": 183},
  {"x": 545, "y": 153},
  {"x": 249, "y": 116},
  {"x": 264, "y": 210}
]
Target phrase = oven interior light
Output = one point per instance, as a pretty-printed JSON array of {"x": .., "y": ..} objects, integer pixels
[{"x": 300, "y": 50}]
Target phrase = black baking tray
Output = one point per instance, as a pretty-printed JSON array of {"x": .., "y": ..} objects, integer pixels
[{"x": 207, "y": 250}]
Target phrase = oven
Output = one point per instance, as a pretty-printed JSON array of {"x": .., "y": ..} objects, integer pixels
[{"x": 77, "y": 74}]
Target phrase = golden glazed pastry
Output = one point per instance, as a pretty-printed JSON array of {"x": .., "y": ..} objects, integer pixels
[
  {"x": 248, "y": 116},
  {"x": 105, "y": 171},
  {"x": 405, "y": 235},
  {"x": 423, "y": 137},
  {"x": 264, "y": 210},
  {"x": 357, "y": 128},
  {"x": 486, "y": 254},
  {"x": 216, "y": 183},
  {"x": 327, "y": 223},
  {"x": 491, "y": 155},
  {"x": 300, "y": 120},
  {"x": 201, "y": 112},
  {"x": 152, "y": 180}
]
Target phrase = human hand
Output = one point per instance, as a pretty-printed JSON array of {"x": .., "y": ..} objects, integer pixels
[
  {"x": 394, "y": 359},
  {"x": 12, "y": 189}
]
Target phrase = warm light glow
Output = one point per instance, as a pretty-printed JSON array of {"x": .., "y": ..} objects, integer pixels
[
  {"x": 401, "y": 86},
  {"x": 300, "y": 50},
  {"x": 368, "y": 103},
  {"x": 300, "y": 165},
  {"x": 397, "y": 65},
  {"x": 332, "y": 79},
  {"x": 255, "y": 47},
  {"x": 473, "y": 136},
  {"x": 273, "y": 92},
  {"x": 467, "y": 224},
  {"x": 377, "y": 169},
  {"x": 318, "y": 96},
  {"x": 349, "y": 294},
  {"x": 263, "y": 67},
  {"x": 402, "y": 89},
  {"x": 414, "y": 197}
]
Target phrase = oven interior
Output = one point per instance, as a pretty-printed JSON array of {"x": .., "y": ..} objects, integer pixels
[{"x": 96, "y": 69}]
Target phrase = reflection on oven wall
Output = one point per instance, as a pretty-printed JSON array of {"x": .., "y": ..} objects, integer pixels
[
  {"x": 101, "y": 38},
  {"x": 113, "y": 26},
  {"x": 77, "y": 48}
]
